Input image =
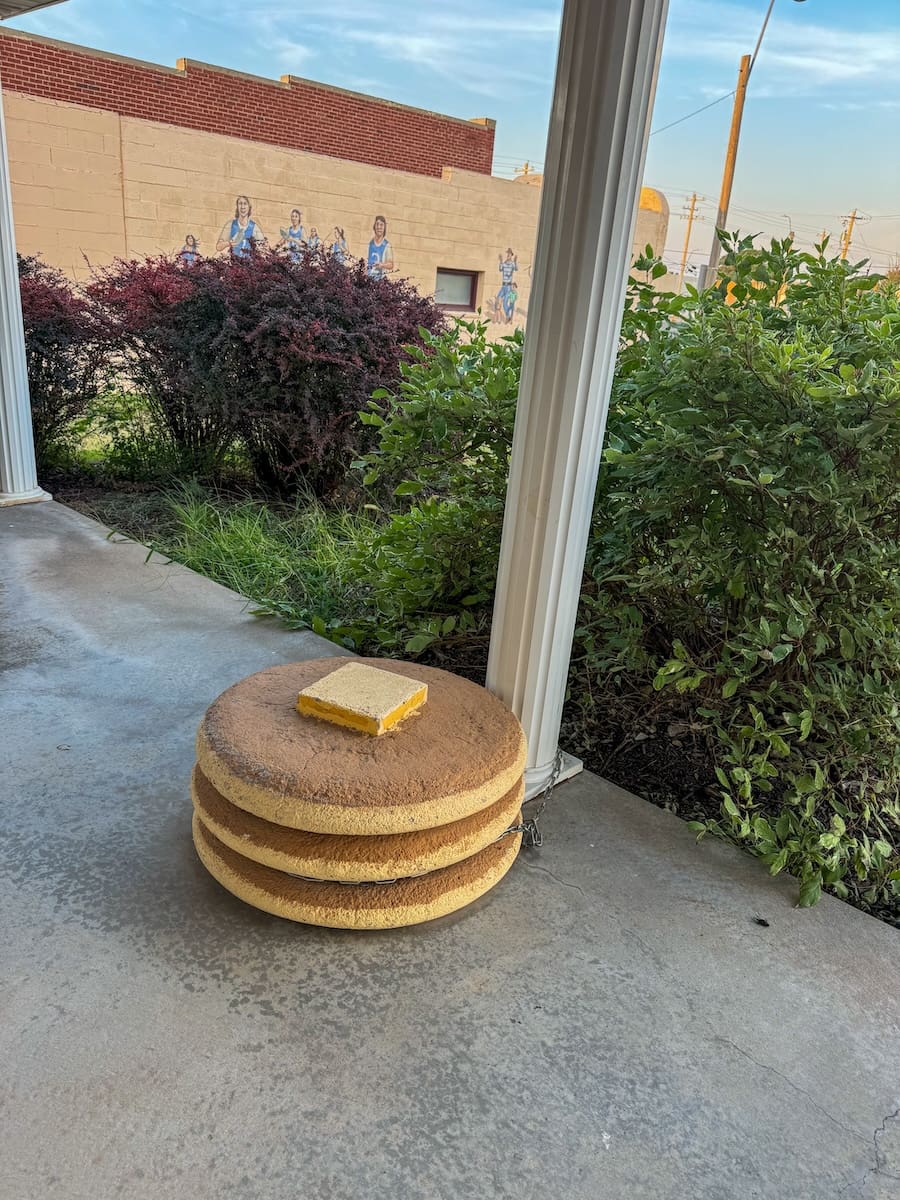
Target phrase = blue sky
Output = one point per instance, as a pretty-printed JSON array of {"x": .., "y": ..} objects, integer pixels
[{"x": 820, "y": 128}]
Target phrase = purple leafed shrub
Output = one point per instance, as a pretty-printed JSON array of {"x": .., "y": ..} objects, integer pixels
[
  {"x": 314, "y": 339},
  {"x": 166, "y": 320},
  {"x": 283, "y": 353},
  {"x": 65, "y": 351}
]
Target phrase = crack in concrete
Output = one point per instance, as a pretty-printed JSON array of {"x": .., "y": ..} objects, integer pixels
[
  {"x": 546, "y": 871},
  {"x": 794, "y": 1086},
  {"x": 878, "y": 1169},
  {"x": 879, "y": 1157}
]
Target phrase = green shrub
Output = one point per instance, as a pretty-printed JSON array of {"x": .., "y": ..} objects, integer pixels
[
  {"x": 444, "y": 441},
  {"x": 124, "y": 439},
  {"x": 446, "y": 431},
  {"x": 744, "y": 560},
  {"x": 742, "y": 573}
]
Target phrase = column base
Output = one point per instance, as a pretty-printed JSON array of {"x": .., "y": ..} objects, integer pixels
[
  {"x": 36, "y": 496},
  {"x": 537, "y": 778}
]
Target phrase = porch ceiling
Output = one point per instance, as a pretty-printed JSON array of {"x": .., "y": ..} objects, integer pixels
[{"x": 16, "y": 8}]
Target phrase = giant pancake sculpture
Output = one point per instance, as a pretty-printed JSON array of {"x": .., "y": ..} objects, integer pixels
[{"x": 358, "y": 793}]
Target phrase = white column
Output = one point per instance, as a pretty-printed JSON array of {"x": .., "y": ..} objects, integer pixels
[
  {"x": 18, "y": 473},
  {"x": 605, "y": 79}
]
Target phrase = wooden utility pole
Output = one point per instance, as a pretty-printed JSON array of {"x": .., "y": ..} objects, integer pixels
[
  {"x": 847, "y": 235},
  {"x": 708, "y": 272},
  {"x": 687, "y": 241},
  {"x": 730, "y": 157}
]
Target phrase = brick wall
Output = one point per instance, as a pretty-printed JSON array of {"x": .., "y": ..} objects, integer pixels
[{"x": 293, "y": 113}]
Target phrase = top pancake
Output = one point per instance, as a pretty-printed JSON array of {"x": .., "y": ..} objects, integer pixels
[{"x": 456, "y": 756}]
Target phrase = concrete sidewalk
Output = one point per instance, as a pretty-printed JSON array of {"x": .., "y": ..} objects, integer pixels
[{"x": 611, "y": 1022}]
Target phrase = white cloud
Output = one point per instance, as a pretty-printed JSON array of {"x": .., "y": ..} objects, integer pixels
[
  {"x": 482, "y": 46},
  {"x": 289, "y": 53},
  {"x": 799, "y": 54}
]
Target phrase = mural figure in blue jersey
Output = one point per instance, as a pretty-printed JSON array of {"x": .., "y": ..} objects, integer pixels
[
  {"x": 339, "y": 248},
  {"x": 505, "y": 302},
  {"x": 189, "y": 252},
  {"x": 313, "y": 241},
  {"x": 380, "y": 259},
  {"x": 242, "y": 232},
  {"x": 293, "y": 238}
]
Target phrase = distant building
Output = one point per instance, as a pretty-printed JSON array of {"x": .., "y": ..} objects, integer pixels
[
  {"x": 111, "y": 157},
  {"x": 652, "y": 226}
]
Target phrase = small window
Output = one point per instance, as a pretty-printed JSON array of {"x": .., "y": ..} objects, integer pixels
[{"x": 456, "y": 289}]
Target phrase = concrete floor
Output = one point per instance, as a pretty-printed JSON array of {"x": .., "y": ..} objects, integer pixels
[{"x": 611, "y": 1022}]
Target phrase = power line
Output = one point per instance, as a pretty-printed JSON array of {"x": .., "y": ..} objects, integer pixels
[
  {"x": 875, "y": 249},
  {"x": 518, "y": 159},
  {"x": 777, "y": 218},
  {"x": 688, "y": 116}
]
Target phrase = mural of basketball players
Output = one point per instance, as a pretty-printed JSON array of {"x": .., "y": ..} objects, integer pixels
[
  {"x": 339, "y": 248},
  {"x": 505, "y": 305},
  {"x": 293, "y": 238},
  {"x": 189, "y": 252},
  {"x": 313, "y": 241},
  {"x": 380, "y": 259},
  {"x": 241, "y": 233}
]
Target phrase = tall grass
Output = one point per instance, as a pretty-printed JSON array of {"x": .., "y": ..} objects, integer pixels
[{"x": 292, "y": 561}]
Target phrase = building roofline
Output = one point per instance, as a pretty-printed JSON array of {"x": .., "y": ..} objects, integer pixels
[
  {"x": 87, "y": 51},
  {"x": 184, "y": 65}
]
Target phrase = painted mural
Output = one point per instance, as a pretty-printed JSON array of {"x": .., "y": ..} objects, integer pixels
[
  {"x": 292, "y": 237},
  {"x": 504, "y": 309},
  {"x": 242, "y": 232},
  {"x": 380, "y": 258},
  {"x": 190, "y": 251},
  {"x": 148, "y": 187},
  {"x": 339, "y": 248}
]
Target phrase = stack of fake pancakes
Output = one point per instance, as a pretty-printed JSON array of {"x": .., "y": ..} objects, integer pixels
[{"x": 328, "y": 825}]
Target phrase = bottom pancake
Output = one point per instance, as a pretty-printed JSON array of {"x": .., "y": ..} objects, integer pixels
[
  {"x": 343, "y": 857},
  {"x": 356, "y": 906}
]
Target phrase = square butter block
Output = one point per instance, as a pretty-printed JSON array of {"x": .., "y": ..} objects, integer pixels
[{"x": 362, "y": 697}]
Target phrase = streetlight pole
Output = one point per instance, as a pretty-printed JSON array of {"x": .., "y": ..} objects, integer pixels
[{"x": 708, "y": 271}]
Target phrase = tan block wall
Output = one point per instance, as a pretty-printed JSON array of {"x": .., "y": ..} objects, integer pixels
[
  {"x": 179, "y": 181},
  {"x": 66, "y": 169},
  {"x": 87, "y": 182}
]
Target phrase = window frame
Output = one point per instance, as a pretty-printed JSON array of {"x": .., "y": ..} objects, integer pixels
[{"x": 473, "y": 276}]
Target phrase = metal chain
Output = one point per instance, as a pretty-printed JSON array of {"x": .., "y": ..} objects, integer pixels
[{"x": 532, "y": 837}]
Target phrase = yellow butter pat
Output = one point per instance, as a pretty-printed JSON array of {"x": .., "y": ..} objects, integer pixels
[{"x": 361, "y": 697}]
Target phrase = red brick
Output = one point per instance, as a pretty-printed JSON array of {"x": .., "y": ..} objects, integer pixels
[{"x": 302, "y": 116}]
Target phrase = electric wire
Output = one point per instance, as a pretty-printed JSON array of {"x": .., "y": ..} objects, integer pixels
[{"x": 687, "y": 116}]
